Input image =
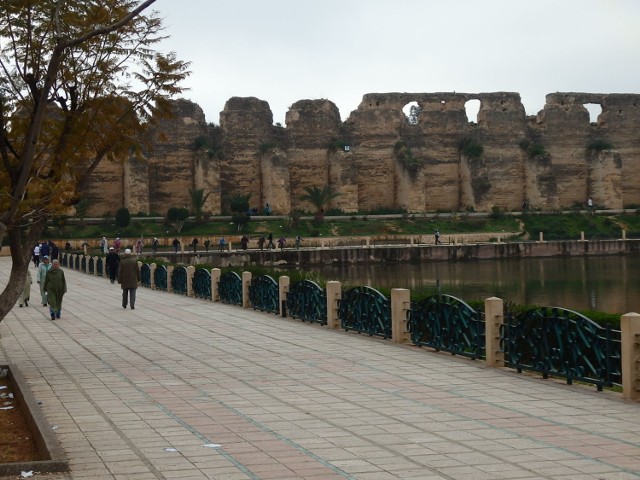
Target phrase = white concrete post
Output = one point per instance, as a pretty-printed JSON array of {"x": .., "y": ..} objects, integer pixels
[
  {"x": 624, "y": 234},
  {"x": 334, "y": 295},
  {"x": 400, "y": 305},
  {"x": 87, "y": 261},
  {"x": 169, "y": 275},
  {"x": 630, "y": 337},
  {"x": 95, "y": 265},
  {"x": 542, "y": 236},
  {"x": 283, "y": 290},
  {"x": 368, "y": 241},
  {"x": 246, "y": 283},
  {"x": 191, "y": 270},
  {"x": 494, "y": 318},
  {"x": 152, "y": 273},
  {"x": 216, "y": 273},
  {"x": 582, "y": 236}
]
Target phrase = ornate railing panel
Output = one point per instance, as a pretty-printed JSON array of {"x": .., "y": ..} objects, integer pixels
[
  {"x": 160, "y": 278},
  {"x": 202, "y": 283},
  {"x": 365, "y": 310},
  {"x": 563, "y": 343},
  {"x": 307, "y": 301},
  {"x": 145, "y": 275},
  {"x": 92, "y": 265},
  {"x": 64, "y": 260},
  {"x": 447, "y": 323},
  {"x": 179, "y": 280},
  {"x": 230, "y": 288},
  {"x": 83, "y": 263},
  {"x": 100, "y": 266},
  {"x": 263, "y": 294},
  {"x": 76, "y": 264}
]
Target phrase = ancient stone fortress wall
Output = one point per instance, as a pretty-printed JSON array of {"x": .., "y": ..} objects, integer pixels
[{"x": 434, "y": 159}]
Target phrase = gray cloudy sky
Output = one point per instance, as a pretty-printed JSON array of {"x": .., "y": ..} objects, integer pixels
[{"x": 282, "y": 51}]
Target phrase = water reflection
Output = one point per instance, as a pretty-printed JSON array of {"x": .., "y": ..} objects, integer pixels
[{"x": 610, "y": 284}]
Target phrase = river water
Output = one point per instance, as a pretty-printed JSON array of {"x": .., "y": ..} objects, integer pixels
[{"x": 610, "y": 284}]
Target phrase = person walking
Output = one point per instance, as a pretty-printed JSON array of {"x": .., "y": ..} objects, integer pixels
[
  {"x": 128, "y": 278},
  {"x": 104, "y": 245},
  {"x": 194, "y": 244},
  {"x": 55, "y": 286},
  {"x": 112, "y": 260},
  {"x": 298, "y": 242},
  {"x": 437, "y": 235},
  {"x": 155, "y": 244},
  {"x": 36, "y": 255},
  {"x": 43, "y": 268},
  {"x": 176, "y": 245},
  {"x": 139, "y": 246},
  {"x": 26, "y": 290},
  {"x": 282, "y": 242}
]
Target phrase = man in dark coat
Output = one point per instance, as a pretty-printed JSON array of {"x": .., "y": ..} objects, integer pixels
[
  {"x": 112, "y": 261},
  {"x": 56, "y": 286},
  {"x": 128, "y": 278}
]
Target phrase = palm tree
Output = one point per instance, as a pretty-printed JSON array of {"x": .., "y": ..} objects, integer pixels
[
  {"x": 319, "y": 198},
  {"x": 198, "y": 198}
]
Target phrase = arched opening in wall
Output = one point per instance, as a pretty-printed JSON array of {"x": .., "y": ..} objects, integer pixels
[
  {"x": 594, "y": 109},
  {"x": 472, "y": 108},
  {"x": 412, "y": 111}
]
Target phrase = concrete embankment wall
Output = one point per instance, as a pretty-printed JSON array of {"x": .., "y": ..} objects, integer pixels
[{"x": 416, "y": 253}]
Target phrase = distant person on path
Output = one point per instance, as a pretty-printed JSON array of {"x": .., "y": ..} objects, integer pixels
[
  {"x": 244, "y": 241},
  {"x": 36, "y": 255},
  {"x": 437, "y": 235},
  {"x": 270, "y": 244},
  {"x": 298, "y": 242},
  {"x": 194, "y": 244},
  {"x": 26, "y": 290},
  {"x": 207, "y": 243},
  {"x": 104, "y": 245},
  {"x": 112, "y": 261},
  {"x": 590, "y": 205},
  {"x": 282, "y": 242},
  {"x": 44, "y": 250},
  {"x": 117, "y": 244},
  {"x": 261, "y": 241},
  {"x": 267, "y": 209},
  {"x": 176, "y": 245},
  {"x": 128, "y": 278},
  {"x": 55, "y": 286},
  {"x": 524, "y": 205},
  {"x": 55, "y": 251},
  {"x": 139, "y": 246},
  {"x": 154, "y": 245},
  {"x": 43, "y": 268},
  {"x": 222, "y": 244}
]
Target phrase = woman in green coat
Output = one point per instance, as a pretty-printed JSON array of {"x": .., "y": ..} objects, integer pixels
[{"x": 56, "y": 286}]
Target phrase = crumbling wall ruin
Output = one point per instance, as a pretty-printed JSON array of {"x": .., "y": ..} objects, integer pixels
[{"x": 379, "y": 159}]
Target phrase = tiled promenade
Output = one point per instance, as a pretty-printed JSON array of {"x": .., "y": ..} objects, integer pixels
[{"x": 181, "y": 388}]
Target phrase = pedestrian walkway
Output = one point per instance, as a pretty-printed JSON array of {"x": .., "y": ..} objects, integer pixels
[{"x": 182, "y": 388}]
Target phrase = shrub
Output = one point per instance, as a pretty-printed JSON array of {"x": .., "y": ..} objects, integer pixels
[
  {"x": 471, "y": 148},
  {"x": 123, "y": 217},
  {"x": 598, "y": 145}
]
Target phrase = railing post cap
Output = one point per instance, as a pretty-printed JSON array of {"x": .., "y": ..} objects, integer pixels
[{"x": 493, "y": 298}]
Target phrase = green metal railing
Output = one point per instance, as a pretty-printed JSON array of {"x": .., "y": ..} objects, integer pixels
[
  {"x": 263, "y": 294},
  {"x": 230, "y": 288},
  {"x": 365, "y": 310},
  {"x": 145, "y": 275},
  {"x": 307, "y": 301},
  {"x": 202, "y": 283},
  {"x": 447, "y": 323},
  {"x": 179, "y": 280},
  {"x": 92, "y": 265},
  {"x": 563, "y": 343},
  {"x": 100, "y": 266},
  {"x": 160, "y": 278}
]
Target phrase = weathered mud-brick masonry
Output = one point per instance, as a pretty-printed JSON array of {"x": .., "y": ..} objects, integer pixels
[{"x": 380, "y": 158}]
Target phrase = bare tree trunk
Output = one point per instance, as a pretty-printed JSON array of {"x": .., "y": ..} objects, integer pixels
[{"x": 21, "y": 247}]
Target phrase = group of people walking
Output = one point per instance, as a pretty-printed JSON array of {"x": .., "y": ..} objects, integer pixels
[{"x": 53, "y": 285}]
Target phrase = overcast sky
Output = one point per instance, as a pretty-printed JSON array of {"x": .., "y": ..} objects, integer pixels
[{"x": 282, "y": 51}]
